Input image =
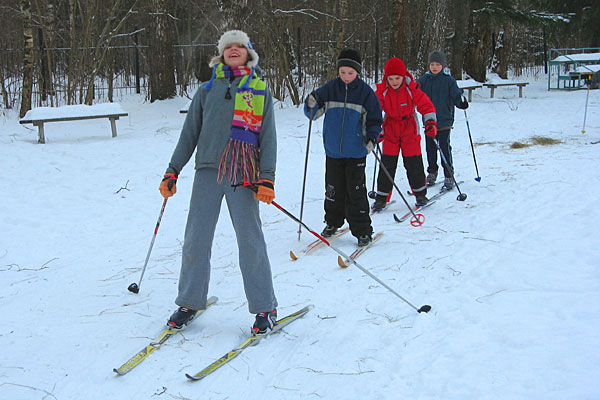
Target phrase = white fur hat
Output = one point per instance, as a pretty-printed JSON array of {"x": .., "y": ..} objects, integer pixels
[{"x": 237, "y": 37}]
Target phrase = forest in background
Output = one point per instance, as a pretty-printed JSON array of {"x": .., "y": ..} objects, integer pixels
[{"x": 56, "y": 52}]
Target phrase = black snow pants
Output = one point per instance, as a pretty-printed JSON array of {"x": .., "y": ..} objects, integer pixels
[{"x": 346, "y": 195}]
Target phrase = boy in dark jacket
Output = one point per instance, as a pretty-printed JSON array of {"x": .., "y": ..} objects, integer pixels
[
  {"x": 445, "y": 95},
  {"x": 351, "y": 129},
  {"x": 400, "y": 98}
]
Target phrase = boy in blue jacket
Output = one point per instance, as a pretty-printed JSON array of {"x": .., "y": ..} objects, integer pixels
[
  {"x": 445, "y": 95},
  {"x": 351, "y": 129}
]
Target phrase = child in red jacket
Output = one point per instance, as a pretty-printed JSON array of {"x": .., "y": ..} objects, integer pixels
[{"x": 399, "y": 96}]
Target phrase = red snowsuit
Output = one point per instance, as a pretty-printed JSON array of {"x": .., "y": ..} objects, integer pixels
[
  {"x": 400, "y": 123},
  {"x": 400, "y": 132}
]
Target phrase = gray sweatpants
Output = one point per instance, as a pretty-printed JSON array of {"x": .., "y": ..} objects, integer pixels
[{"x": 205, "y": 206}]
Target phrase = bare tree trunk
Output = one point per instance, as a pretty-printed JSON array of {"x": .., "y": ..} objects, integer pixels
[
  {"x": 459, "y": 11},
  {"x": 27, "y": 89},
  {"x": 5, "y": 96},
  {"x": 503, "y": 51},
  {"x": 102, "y": 44},
  {"x": 162, "y": 78},
  {"x": 399, "y": 50}
]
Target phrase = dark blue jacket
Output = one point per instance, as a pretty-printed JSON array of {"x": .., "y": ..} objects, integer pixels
[
  {"x": 352, "y": 115},
  {"x": 444, "y": 93}
]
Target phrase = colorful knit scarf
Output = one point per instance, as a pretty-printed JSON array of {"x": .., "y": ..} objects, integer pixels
[{"x": 246, "y": 124}]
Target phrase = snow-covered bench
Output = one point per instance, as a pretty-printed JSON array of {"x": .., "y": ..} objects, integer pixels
[
  {"x": 494, "y": 85},
  {"x": 469, "y": 85},
  {"x": 39, "y": 116}
]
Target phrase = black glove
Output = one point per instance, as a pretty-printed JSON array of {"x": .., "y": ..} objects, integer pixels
[{"x": 463, "y": 104}]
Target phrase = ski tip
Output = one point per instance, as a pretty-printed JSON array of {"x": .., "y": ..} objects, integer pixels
[
  {"x": 341, "y": 262},
  {"x": 119, "y": 373},
  {"x": 293, "y": 256},
  {"x": 191, "y": 377},
  {"x": 397, "y": 219}
]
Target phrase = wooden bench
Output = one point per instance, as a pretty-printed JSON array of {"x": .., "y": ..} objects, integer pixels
[
  {"x": 469, "y": 85},
  {"x": 39, "y": 116},
  {"x": 494, "y": 85}
]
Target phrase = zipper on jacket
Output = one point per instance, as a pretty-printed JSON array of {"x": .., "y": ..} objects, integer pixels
[
  {"x": 343, "y": 119},
  {"x": 228, "y": 93}
]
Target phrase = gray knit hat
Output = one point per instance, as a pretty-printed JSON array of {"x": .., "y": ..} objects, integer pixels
[{"x": 437, "y": 56}]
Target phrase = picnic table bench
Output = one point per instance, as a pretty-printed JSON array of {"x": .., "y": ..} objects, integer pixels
[
  {"x": 494, "y": 85},
  {"x": 469, "y": 85},
  {"x": 39, "y": 116}
]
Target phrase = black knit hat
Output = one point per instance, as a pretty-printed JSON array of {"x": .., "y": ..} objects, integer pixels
[
  {"x": 437, "y": 56},
  {"x": 350, "y": 58}
]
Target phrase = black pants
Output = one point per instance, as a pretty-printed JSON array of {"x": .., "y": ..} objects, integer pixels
[
  {"x": 443, "y": 138},
  {"x": 346, "y": 194},
  {"x": 414, "y": 172}
]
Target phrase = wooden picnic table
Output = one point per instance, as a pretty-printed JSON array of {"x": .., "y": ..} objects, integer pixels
[
  {"x": 469, "y": 85},
  {"x": 494, "y": 85},
  {"x": 41, "y": 115}
]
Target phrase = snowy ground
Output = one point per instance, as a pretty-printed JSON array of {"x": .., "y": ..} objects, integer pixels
[{"x": 512, "y": 273}]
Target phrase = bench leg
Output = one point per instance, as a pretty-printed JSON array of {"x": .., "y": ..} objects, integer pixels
[
  {"x": 113, "y": 126},
  {"x": 520, "y": 91},
  {"x": 492, "y": 92},
  {"x": 470, "y": 95},
  {"x": 41, "y": 137}
]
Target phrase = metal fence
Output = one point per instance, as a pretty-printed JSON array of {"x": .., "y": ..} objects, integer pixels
[{"x": 61, "y": 75}]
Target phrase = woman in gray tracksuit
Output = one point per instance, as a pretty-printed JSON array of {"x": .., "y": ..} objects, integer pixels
[{"x": 232, "y": 145}]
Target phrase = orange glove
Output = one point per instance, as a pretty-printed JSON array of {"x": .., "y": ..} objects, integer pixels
[
  {"x": 265, "y": 192},
  {"x": 431, "y": 128},
  {"x": 168, "y": 185}
]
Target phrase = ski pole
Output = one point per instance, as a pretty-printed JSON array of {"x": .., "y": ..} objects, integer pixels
[
  {"x": 424, "y": 308},
  {"x": 417, "y": 219},
  {"x": 478, "y": 179},
  {"x": 135, "y": 287},
  {"x": 312, "y": 110},
  {"x": 461, "y": 196},
  {"x": 372, "y": 193}
]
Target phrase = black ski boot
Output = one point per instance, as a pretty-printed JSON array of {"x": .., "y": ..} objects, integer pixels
[
  {"x": 264, "y": 321},
  {"x": 448, "y": 183},
  {"x": 329, "y": 231},
  {"x": 181, "y": 317},
  {"x": 431, "y": 178},
  {"x": 421, "y": 200},
  {"x": 364, "y": 240},
  {"x": 380, "y": 204}
]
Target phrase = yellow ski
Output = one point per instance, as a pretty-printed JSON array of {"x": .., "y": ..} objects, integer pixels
[
  {"x": 251, "y": 341},
  {"x": 154, "y": 345}
]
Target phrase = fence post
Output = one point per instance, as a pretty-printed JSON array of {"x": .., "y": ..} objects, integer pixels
[
  {"x": 137, "y": 62},
  {"x": 376, "y": 53},
  {"x": 299, "y": 57}
]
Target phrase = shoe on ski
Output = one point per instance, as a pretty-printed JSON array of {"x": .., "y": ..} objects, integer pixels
[
  {"x": 264, "y": 321},
  {"x": 181, "y": 317},
  {"x": 431, "y": 177},
  {"x": 380, "y": 204},
  {"x": 421, "y": 200},
  {"x": 448, "y": 184},
  {"x": 329, "y": 231},
  {"x": 364, "y": 240}
]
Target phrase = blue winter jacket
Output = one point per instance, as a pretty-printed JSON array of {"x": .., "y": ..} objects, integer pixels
[
  {"x": 444, "y": 93},
  {"x": 352, "y": 115}
]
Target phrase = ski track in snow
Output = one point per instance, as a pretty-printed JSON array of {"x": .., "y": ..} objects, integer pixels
[{"x": 511, "y": 273}]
